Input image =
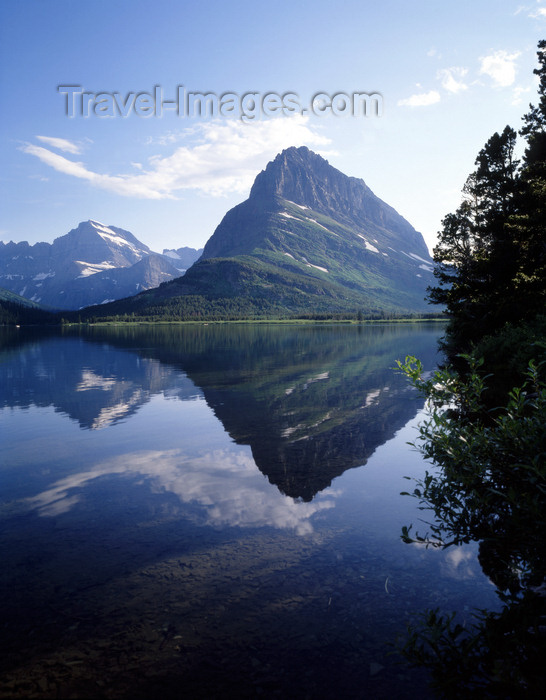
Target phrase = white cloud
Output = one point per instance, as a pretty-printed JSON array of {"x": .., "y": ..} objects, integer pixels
[
  {"x": 535, "y": 13},
  {"x": 519, "y": 94},
  {"x": 500, "y": 66},
  {"x": 539, "y": 13},
  {"x": 452, "y": 79},
  {"x": 223, "y": 158},
  {"x": 135, "y": 185},
  {"x": 61, "y": 144},
  {"x": 423, "y": 99}
]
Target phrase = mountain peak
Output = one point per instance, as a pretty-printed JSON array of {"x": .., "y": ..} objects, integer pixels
[
  {"x": 300, "y": 154},
  {"x": 98, "y": 226},
  {"x": 309, "y": 229},
  {"x": 301, "y": 176},
  {"x": 91, "y": 263}
]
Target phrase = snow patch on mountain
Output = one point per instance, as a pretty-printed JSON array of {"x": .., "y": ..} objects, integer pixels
[
  {"x": 324, "y": 227},
  {"x": 108, "y": 234},
  {"x": 91, "y": 380},
  {"x": 416, "y": 257},
  {"x": 367, "y": 244},
  {"x": 89, "y": 269},
  {"x": 323, "y": 269}
]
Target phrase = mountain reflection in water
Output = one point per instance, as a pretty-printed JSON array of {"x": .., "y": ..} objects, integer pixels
[
  {"x": 311, "y": 402},
  {"x": 182, "y": 513}
]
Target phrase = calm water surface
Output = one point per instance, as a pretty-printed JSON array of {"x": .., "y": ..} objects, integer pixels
[{"x": 214, "y": 512}]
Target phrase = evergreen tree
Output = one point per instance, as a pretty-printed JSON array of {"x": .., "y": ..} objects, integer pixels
[
  {"x": 529, "y": 227},
  {"x": 535, "y": 121},
  {"x": 475, "y": 256},
  {"x": 491, "y": 254}
]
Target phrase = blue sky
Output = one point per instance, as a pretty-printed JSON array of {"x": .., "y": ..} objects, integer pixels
[{"x": 449, "y": 75}]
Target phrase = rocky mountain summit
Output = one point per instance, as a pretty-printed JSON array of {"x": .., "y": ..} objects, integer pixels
[
  {"x": 92, "y": 264},
  {"x": 309, "y": 239}
]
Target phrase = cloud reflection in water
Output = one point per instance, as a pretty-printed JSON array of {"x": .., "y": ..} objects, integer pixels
[{"x": 226, "y": 484}]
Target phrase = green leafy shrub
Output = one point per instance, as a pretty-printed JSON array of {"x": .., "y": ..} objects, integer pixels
[{"x": 488, "y": 485}]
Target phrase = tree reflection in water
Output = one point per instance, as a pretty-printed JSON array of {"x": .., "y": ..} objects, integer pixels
[{"x": 489, "y": 487}]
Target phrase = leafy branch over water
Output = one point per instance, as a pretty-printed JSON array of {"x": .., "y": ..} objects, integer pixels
[
  {"x": 486, "y": 428},
  {"x": 489, "y": 486}
]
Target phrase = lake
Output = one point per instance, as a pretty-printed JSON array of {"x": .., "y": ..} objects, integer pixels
[{"x": 214, "y": 511}]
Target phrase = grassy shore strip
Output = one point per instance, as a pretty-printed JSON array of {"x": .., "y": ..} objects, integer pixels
[{"x": 259, "y": 321}]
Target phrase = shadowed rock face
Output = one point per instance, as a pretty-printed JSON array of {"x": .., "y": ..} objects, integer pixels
[{"x": 303, "y": 177}]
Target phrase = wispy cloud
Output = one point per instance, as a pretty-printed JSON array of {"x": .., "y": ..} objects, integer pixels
[
  {"x": 452, "y": 79},
  {"x": 61, "y": 144},
  {"x": 423, "y": 99},
  {"x": 128, "y": 185},
  {"x": 539, "y": 12},
  {"x": 532, "y": 11},
  {"x": 224, "y": 159},
  {"x": 520, "y": 93},
  {"x": 500, "y": 66}
]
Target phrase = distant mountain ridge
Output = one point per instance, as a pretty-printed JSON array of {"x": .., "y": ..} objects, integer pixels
[
  {"x": 308, "y": 240},
  {"x": 91, "y": 264},
  {"x": 183, "y": 257}
]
